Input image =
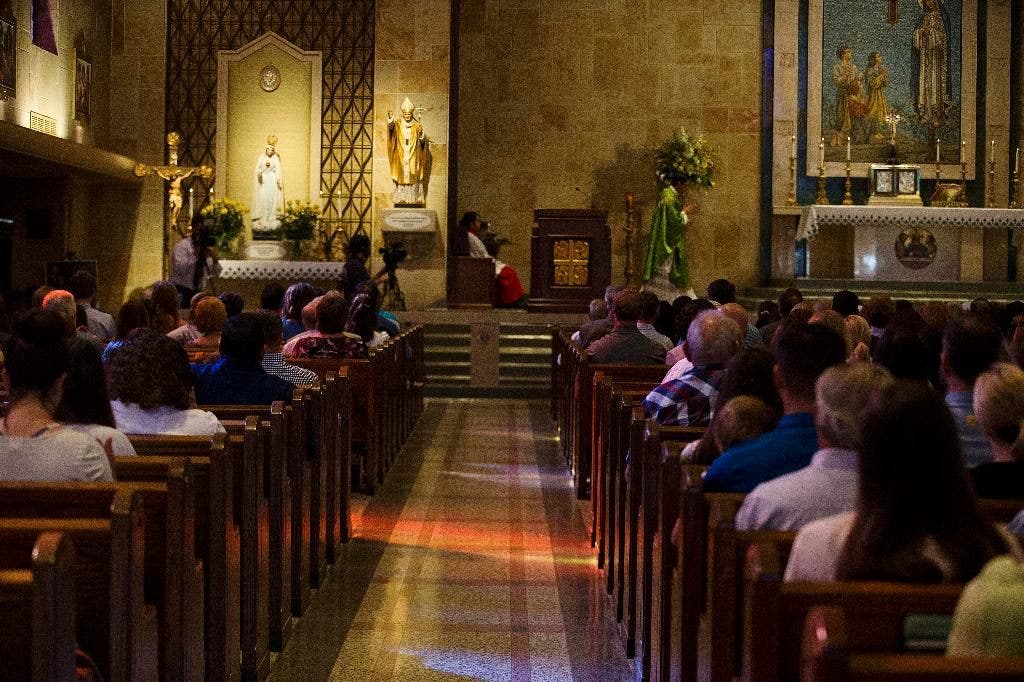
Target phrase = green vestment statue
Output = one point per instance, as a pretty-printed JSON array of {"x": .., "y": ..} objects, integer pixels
[{"x": 666, "y": 242}]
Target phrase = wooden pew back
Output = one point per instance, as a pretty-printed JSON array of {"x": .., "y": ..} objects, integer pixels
[{"x": 37, "y": 609}]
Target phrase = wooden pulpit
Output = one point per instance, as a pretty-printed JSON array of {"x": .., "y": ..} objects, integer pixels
[{"x": 570, "y": 259}]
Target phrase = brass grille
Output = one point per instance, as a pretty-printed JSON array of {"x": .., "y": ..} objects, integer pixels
[
  {"x": 342, "y": 31},
  {"x": 42, "y": 123},
  {"x": 572, "y": 262}
]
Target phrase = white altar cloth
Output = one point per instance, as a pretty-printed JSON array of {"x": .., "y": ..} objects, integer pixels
[
  {"x": 816, "y": 217},
  {"x": 293, "y": 270}
]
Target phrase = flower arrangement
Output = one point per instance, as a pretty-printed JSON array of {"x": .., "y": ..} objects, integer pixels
[
  {"x": 228, "y": 220},
  {"x": 685, "y": 158},
  {"x": 297, "y": 224}
]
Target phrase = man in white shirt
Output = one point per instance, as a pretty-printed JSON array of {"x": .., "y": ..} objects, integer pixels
[{"x": 828, "y": 485}]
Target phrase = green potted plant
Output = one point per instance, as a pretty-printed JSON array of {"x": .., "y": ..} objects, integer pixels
[
  {"x": 297, "y": 225},
  {"x": 685, "y": 158},
  {"x": 226, "y": 220}
]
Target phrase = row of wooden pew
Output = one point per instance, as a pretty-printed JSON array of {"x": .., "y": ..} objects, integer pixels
[
  {"x": 710, "y": 602},
  {"x": 196, "y": 563}
]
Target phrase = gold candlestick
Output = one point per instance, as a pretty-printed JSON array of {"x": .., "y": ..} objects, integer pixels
[
  {"x": 822, "y": 198},
  {"x": 990, "y": 191},
  {"x": 938, "y": 173},
  {"x": 847, "y": 197},
  {"x": 1015, "y": 198},
  {"x": 791, "y": 196}
]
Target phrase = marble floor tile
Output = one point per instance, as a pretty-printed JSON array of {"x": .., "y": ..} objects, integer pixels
[{"x": 472, "y": 562}]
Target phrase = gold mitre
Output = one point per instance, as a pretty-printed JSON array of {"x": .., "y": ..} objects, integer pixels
[
  {"x": 407, "y": 106},
  {"x": 272, "y": 140}
]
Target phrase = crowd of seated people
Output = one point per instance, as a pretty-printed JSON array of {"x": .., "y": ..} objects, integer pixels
[{"x": 871, "y": 428}]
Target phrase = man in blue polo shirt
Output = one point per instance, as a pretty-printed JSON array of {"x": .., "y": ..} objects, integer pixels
[
  {"x": 238, "y": 378},
  {"x": 802, "y": 352}
]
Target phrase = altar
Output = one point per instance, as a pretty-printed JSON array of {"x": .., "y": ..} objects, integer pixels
[{"x": 893, "y": 243}]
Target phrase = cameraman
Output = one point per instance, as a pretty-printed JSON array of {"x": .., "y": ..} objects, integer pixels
[
  {"x": 194, "y": 261},
  {"x": 354, "y": 272}
]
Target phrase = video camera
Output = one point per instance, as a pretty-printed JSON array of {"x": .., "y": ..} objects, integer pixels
[{"x": 393, "y": 255}]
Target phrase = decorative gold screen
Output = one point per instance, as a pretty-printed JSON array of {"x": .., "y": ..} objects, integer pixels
[{"x": 572, "y": 262}]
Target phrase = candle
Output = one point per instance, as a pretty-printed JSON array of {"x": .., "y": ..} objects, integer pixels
[
  {"x": 792, "y": 147},
  {"x": 963, "y": 149},
  {"x": 821, "y": 154},
  {"x": 191, "y": 199},
  {"x": 992, "y": 154},
  {"x": 938, "y": 151},
  {"x": 847, "y": 147},
  {"x": 1016, "y": 161}
]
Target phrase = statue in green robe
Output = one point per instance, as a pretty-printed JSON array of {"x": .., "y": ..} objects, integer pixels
[{"x": 666, "y": 250}]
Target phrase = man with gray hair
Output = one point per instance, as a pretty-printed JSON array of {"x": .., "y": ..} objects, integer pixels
[
  {"x": 598, "y": 311},
  {"x": 592, "y": 331},
  {"x": 828, "y": 485},
  {"x": 686, "y": 401},
  {"x": 624, "y": 343}
]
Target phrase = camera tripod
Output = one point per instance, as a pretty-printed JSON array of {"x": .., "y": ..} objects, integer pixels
[{"x": 393, "y": 298}]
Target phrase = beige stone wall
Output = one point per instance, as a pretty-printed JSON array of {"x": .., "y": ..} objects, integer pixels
[
  {"x": 138, "y": 54},
  {"x": 562, "y": 103},
  {"x": 412, "y": 60}
]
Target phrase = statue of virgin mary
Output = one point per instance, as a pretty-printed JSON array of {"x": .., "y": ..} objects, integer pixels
[
  {"x": 268, "y": 192},
  {"x": 931, "y": 84}
]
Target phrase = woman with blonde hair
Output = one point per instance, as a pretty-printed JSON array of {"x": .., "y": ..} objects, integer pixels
[
  {"x": 858, "y": 339},
  {"x": 999, "y": 409}
]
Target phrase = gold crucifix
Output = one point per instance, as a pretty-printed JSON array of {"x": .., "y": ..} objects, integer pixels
[
  {"x": 893, "y": 120},
  {"x": 174, "y": 174}
]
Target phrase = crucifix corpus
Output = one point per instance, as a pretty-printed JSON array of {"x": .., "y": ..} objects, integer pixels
[
  {"x": 174, "y": 174},
  {"x": 893, "y": 120}
]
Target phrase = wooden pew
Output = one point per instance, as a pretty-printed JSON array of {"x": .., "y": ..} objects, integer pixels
[
  {"x": 37, "y": 609},
  {"x": 218, "y": 539},
  {"x": 659, "y": 487},
  {"x": 726, "y": 552},
  {"x": 828, "y": 655},
  {"x": 611, "y": 448},
  {"x": 173, "y": 576},
  {"x": 583, "y": 406},
  {"x": 113, "y": 623},
  {"x": 169, "y": 486},
  {"x": 775, "y": 612}
]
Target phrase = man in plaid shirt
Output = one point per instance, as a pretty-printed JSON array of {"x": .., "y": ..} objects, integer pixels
[{"x": 687, "y": 401}]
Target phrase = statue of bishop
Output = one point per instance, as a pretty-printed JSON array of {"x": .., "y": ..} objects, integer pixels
[{"x": 407, "y": 153}]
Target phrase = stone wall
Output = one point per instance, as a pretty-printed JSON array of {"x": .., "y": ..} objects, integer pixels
[
  {"x": 562, "y": 103},
  {"x": 412, "y": 60}
]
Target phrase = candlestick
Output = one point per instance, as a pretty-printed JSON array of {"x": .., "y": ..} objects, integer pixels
[
  {"x": 847, "y": 147},
  {"x": 847, "y": 197},
  {"x": 791, "y": 195},
  {"x": 1015, "y": 198},
  {"x": 990, "y": 190},
  {"x": 938, "y": 173},
  {"x": 822, "y": 198},
  {"x": 938, "y": 152}
]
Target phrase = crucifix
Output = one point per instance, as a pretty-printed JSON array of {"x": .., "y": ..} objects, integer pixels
[
  {"x": 174, "y": 174},
  {"x": 893, "y": 119}
]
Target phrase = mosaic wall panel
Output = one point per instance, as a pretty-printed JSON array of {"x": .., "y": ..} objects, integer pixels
[{"x": 342, "y": 30}]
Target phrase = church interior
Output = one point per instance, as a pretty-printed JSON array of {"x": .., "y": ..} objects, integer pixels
[{"x": 528, "y": 258}]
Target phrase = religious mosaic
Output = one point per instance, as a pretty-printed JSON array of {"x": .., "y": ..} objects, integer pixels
[
  {"x": 342, "y": 31},
  {"x": 903, "y": 62}
]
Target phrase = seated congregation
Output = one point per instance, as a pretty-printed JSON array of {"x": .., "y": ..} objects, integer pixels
[
  {"x": 172, "y": 491},
  {"x": 853, "y": 468}
]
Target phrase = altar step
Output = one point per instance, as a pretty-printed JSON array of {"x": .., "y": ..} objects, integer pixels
[
  {"x": 523, "y": 358},
  {"x": 916, "y": 292}
]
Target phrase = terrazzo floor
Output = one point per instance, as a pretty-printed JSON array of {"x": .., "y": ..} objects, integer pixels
[{"x": 471, "y": 562}]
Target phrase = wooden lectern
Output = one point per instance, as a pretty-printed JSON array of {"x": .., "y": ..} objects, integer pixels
[{"x": 570, "y": 259}]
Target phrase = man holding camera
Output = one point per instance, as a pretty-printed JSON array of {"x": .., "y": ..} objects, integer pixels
[{"x": 194, "y": 260}]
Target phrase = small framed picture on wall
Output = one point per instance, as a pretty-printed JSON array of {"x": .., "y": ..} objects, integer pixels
[
  {"x": 8, "y": 51},
  {"x": 83, "y": 82}
]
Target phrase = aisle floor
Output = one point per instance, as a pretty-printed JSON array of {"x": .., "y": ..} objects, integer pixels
[{"x": 471, "y": 562}]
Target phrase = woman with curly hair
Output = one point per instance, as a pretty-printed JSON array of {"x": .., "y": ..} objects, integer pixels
[{"x": 151, "y": 389}]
